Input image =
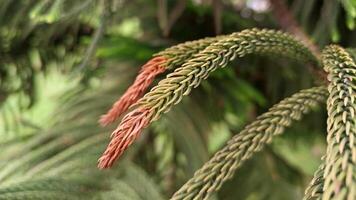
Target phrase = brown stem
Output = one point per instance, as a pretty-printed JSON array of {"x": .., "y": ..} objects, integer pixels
[
  {"x": 287, "y": 22},
  {"x": 166, "y": 21},
  {"x": 217, "y": 12}
]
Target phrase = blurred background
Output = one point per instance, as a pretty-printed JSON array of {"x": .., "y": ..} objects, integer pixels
[{"x": 64, "y": 62}]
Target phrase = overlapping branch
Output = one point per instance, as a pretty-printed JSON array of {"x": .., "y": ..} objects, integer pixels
[
  {"x": 169, "y": 58},
  {"x": 315, "y": 187},
  {"x": 340, "y": 162},
  {"x": 250, "y": 140},
  {"x": 217, "y": 55},
  {"x": 194, "y": 61},
  {"x": 180, "y": 53},
  {"x": 179, "y": 83}
]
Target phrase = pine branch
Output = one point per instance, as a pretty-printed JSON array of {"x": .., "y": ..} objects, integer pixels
[
  {"x": 340, "y": 162},
  {"x": 169, "y": 58},
  {"x": 250, "y": 140},
  {"x": 315, "y": 187},
  {"x": 147, "y": 74},
  {"x": 179, "y": 83},
  {"x": 179, "y": 53}
]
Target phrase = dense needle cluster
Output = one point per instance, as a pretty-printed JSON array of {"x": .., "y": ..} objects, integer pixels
[
  {"x": 192, "y": 62},
  {"x": 250, "y": 140},
  {"x": 144, "y": 79},
  {"x": 128, "y": 130},
  {"x": 170, "y": 58},
  {"x": 340, "y": 162}
]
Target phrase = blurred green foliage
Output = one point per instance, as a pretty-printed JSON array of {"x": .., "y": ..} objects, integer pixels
[{"x": 49, "y": 105}]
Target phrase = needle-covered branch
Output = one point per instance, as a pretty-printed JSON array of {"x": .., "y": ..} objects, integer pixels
[
  {"x": 167, "y": 59},
  {"x": 179, "y": 83},
  {"x": 340, "y": 163},
  {"x": 250, "y": 140}
]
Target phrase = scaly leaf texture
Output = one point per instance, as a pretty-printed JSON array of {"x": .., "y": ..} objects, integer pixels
[
  {"x": 340, "y": 163},
  {"x": 250, "y": 140},
  {"x": 352, "y": 52},
  {"x": 179, "y": 83},
  {"x": 315, "y": 187},
  {"x": 143, "y": 80},
  {"x": 169, "y": 58},
  {"x": 178, "y": 54}
]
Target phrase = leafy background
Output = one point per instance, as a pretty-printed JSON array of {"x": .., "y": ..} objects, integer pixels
[{"x": 63, "y": 63}]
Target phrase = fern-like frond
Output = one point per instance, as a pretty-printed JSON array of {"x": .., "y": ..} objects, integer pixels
[
  {"x": 340, "y": 162},
  {"x": 251, "y": 139}
]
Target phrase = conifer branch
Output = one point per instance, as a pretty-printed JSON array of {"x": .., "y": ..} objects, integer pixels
[
  {"x": 169, "y": 58},
  {"x": 143, "y": 80},
  {"x": 315, "y": 187},
  {"x": 340, "y": 163},
  {"x": 179, "y": 83},
  {"x": 179, "y": 53},
  {"x": 128, "y": 130},
  {"x": 250, "y": 140}
]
